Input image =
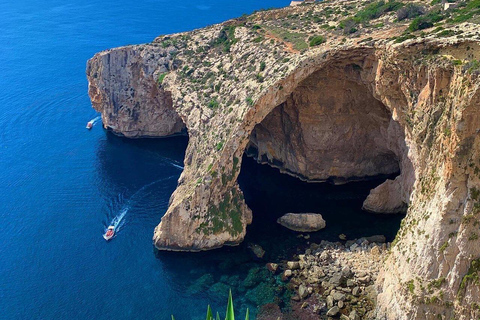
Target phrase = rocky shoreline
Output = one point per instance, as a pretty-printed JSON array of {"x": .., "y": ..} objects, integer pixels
[{"x": 332, "y": 280}]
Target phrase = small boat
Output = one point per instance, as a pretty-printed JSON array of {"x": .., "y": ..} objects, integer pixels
[
  {"x": 89, "y": 125},
  {"x": 110, "y": 233}
]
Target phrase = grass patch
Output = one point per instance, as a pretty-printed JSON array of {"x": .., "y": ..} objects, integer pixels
[{"x": 295, "y": 38}]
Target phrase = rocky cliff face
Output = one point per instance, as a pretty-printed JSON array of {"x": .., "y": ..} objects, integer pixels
[
  {"x": 123, "y": 87},
  {"x": 349, "y": 108}
]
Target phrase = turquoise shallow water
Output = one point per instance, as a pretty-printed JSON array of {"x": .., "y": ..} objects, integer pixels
[{"x": 62, "y": 185}]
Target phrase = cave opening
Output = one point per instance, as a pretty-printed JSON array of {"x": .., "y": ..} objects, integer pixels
[{"x": 330, "y": 148}]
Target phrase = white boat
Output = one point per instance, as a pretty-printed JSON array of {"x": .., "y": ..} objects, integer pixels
[
  {"x": 110, "y": 233},
  {"x": 89, "y": 125}
]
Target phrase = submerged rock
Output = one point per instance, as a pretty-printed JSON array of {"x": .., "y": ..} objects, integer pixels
[
  {"x": 302, "y": 222},
  {"x": 257, "y": 250}
]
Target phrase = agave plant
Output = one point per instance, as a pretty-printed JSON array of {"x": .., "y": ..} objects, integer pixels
[{"x": 230, "y": 312}]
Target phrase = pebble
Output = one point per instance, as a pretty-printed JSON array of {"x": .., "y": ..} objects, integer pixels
[
  {"x": 356, "y": 291},
  {"x": 333, "y": 311}
]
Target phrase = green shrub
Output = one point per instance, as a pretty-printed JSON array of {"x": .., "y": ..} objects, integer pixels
[
  {"x": 213, "y": 104},
  {"x": 226, "y": 38},
  {"x": 376, "y": 10},
  {"x": 404, "y": 37},
  {"x": 317, "y": 40},
  {"x": 446, "y": 33},
  {"x": 425, "y": 21},
  {"x": 262, "y": 66},
  {"x": 161, "y": 77}
]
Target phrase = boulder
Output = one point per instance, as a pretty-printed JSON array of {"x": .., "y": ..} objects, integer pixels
[
  {"x": 272, "y": 267},
  {"x": 293, "y": 265},
  {"x": 379, "y": 238},
  {"x": 302, "y": 291},
  {"x": 302, "y": 222}
]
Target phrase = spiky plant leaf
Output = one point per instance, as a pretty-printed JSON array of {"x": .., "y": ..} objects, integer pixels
[
  {"x": 218, "y": 316},
  {"x": 209, "y": 313},
  {"x": 230, "y": 312},
  {"x": 246, "y": 316},
  {"x": 173, "y": 318}
]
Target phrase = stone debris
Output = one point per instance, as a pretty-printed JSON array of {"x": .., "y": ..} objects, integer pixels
[{"x": 337, "y": 280}]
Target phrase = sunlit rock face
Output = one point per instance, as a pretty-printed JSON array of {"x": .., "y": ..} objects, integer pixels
[{"x": 123, "y": 88}]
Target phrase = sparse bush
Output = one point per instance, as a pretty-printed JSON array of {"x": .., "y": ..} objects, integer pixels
[
  {"x": 404, "y": 37},
  {"x": 317, "y": 40},
  {"x": 410, "y": 11},
  {"x": 376, "y": 10},
  {"x": 348, "y": 25},
  {"x": 262, "y": 66},
  {"x": 213, "y": 104},
  {"x": 226, "y": 38},
  {"x": 161, "y": 77}
]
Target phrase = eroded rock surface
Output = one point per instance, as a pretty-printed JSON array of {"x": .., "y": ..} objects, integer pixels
[{"x": 420, "y": 97}]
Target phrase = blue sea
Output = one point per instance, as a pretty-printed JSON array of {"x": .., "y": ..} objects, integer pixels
[{"x": 61, "y": 185}]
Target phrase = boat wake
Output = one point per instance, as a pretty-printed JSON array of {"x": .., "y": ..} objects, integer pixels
[
  {"x": 119, "y": 220},
  {"x": 91, "y": 123},
  {"x": 176, "y": 165}
]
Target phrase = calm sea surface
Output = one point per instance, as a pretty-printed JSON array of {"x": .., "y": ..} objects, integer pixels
[{"x": 62, "y": 185}]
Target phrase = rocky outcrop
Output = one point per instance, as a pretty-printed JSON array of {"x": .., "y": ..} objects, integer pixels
[
  {"x": 123, "y": 86},
  {"x": 386, "y": 198},
  {"x": 302, "y": 222},
  {"x": 372, "y": 104}
]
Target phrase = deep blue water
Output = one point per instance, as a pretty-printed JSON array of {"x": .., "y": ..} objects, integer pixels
[{"x": 61, "y": 184}]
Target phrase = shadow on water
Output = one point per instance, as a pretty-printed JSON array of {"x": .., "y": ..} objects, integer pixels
[
  {"x": 130, "y": 172},
  {"x": 271, "y": 194}
]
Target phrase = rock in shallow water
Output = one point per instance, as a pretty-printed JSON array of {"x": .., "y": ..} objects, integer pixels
[
  {"x": 302, "y": 222},
  {"x": 257, "y": 250}
]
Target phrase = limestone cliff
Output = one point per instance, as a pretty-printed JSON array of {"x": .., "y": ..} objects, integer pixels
[{"x": 322, "y": 97}]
